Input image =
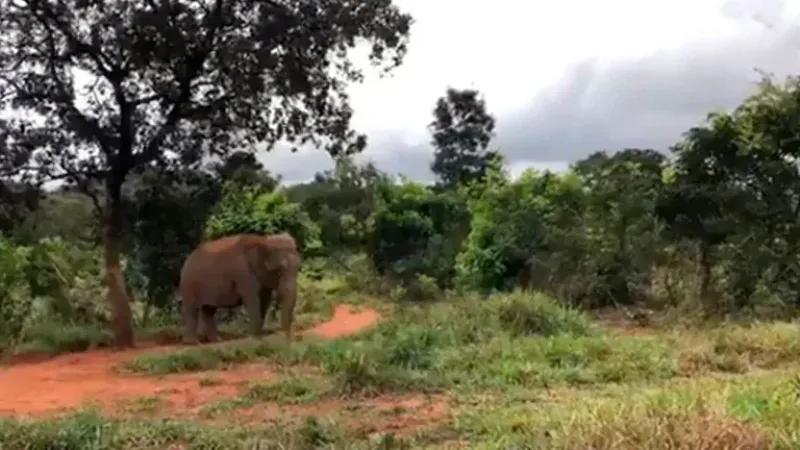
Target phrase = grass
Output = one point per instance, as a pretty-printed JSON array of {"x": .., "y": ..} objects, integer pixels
[
  {"x": 292, "y": 390},
  {"x": 753, "y": 412},
  {"x": 55, "y": 338},
  {"x": 89, "y": 430},
  {"x": 527, "y": 373},
  {"x": 515, "y": 341}
]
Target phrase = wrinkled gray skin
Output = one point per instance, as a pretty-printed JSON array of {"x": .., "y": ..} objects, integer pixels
[{"x": 248, "y": 269}]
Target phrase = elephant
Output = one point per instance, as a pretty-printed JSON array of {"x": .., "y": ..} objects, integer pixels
[{"x": 247, "y": 269}]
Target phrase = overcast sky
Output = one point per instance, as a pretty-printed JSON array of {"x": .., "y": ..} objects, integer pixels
[{"x": 568, "y": 77}]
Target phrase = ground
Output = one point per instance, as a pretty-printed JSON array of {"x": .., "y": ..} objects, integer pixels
[
  {"x": 729, "y": 390},
  {"x": 69, "y": 381}
]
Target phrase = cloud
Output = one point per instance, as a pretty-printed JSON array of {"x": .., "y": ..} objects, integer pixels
[
  {"x": 647, "y": 78},
  {"x": 648, "y": 101},
  {"x": 390, "y": 152}
]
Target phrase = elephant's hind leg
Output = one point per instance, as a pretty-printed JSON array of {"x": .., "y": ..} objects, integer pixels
[
  {"x": 208, "y": 318},
  {"x": 266, "y": 302},
  {"x": 248, "y": 289},
  {"x": 190, "y": 313},
  {"x": 287, "y": 299}
]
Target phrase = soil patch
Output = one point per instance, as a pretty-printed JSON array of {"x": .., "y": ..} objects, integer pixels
[
  {"x": 66, "y": 382},
  {"x": 398, "y": 414},
  {"x": 345, "y": 322}
]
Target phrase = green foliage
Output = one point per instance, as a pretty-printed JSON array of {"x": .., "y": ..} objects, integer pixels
[
  {"x": 417, "y": 232},
  {"x": 165, "y": 226},
  {"x": 519, "y": 230},
  {"x": 734, "y": 193},
  {"x": 245, "y": 209},
  {"x": 15, "y": 304},
  {"x": 538, "y": 314},
  {"x": 18, "y": 201},
  {"x": 89, "y": 430},
  {"x": 620, "y": 223},
  {"x": 61, "y": 213},
  {"x": 517, "y": 341},
  {"x": 341, "y": 202},
  {"x": 50, "y": 282}
]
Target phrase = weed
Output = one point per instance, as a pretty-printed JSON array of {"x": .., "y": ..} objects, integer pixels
[
  {"x": 288, "y": 390},
  {"x": 55, "y": 338},
  {"x": 88, "y": 430},
  {"x": 707, "y": 414},
  {"x": 144, "y": 405},
  {"x": 538, "y": 314}
]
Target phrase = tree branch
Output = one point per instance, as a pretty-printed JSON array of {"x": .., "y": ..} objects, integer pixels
[
  {"x": 79, "y": 47},
  {"x": 105, "y": 141},
  {"x": 194, "y": 64}
]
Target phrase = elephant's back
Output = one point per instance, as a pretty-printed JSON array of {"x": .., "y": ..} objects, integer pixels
[{"x": 210, "y": 260}]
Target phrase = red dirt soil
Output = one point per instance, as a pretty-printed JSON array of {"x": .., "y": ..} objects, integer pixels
[
  {"x": 346, "y": 321},
  {"x": 69, "y": 381}
]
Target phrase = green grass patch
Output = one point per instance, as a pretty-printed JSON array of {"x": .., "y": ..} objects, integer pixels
[
  {"x": 204, "y": 357},
  {"x": 56, "y": 338},
  {"x": 292, "y": 390},
  {"x": 518, "y": 340},
  {"x": 89, "y": 430},
  {"x": 755, "y": 412}
]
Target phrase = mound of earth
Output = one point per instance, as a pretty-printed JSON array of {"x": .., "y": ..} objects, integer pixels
[{"x": 69, "y": 381}]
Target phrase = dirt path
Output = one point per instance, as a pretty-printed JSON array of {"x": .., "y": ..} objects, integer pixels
[{"x": 70, "y": 381}]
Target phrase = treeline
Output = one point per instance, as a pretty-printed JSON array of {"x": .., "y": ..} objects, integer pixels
[{"x": 713, "y": 229}]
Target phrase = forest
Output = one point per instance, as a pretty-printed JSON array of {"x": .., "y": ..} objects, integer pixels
[{"x": 642, "y": 298}]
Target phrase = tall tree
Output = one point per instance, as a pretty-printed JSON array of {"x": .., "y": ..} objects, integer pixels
[
  {"x": 462, "y": 130},
  {"x": 102, "y": 89}
]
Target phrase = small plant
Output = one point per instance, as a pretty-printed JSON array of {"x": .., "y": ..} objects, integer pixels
[
  {"x": 285, "y": 390},
  {"x": 538, "y": 314}
]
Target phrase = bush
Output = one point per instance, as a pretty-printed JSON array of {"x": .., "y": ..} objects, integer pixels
[
  {"x": 530, "y": 314},
  {"x": 15, "y": 301},
  {"x": 45, "y": 283},
  {"x": 246, "y": 209},
  {"x": 417, "y": 232}
]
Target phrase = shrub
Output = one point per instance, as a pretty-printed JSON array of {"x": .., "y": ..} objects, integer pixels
[
  {"x": 247, "y": 209},
  {"x": 529, "y": 314}
]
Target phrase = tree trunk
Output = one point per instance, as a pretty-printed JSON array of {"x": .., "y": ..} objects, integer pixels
[
  {"x": 120, "y": 303},
  {"x": 705, "y": 274}
]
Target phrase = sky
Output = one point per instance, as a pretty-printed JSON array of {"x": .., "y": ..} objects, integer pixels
[{"x": 565, "y": 78}]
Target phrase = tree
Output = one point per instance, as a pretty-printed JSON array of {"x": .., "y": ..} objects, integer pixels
[
  {"x": 737, "y": 188},
  {"x": 461, "y": 130},
  {"x": 242, "y": 167},
  {"x": 104, "y": 89},
  {"x": 523, "y": 233},
  {"x": 341, "y": 202},
  {"x": 414, "y": 232},
  {"x": 622, "y": 191}
]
